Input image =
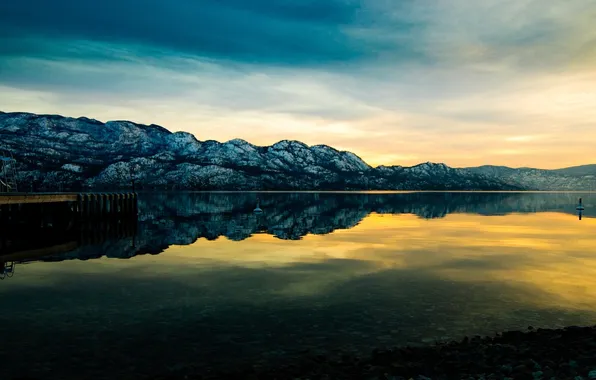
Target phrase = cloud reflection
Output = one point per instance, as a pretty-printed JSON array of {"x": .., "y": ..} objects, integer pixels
[{"x": 391, "y": 279}]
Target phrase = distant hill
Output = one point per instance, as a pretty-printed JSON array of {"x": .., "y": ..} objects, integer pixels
[
  {"x": 584, "y": 170},
  {"x": 55, "y": 152},
  {"x": 574, "y": 178}
]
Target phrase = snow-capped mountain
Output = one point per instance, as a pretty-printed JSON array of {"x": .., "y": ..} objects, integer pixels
[{"x": 54, "y": 152}]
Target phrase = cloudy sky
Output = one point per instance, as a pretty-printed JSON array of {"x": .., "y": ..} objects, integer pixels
[{"x": 465, "y": 82}]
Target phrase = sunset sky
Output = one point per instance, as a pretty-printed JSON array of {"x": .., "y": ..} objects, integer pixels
[{"x": 395, "y": 81}]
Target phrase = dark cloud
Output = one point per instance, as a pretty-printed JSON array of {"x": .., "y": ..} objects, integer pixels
[
  {"x": 287, "y": 32},
  {"x": 307, "y": 32}
]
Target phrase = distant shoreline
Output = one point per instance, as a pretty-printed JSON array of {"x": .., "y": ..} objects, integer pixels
[{"x": 183, "y": 191}]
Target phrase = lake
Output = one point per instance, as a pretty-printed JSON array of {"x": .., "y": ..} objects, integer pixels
[{"x": 201, "y": 282}]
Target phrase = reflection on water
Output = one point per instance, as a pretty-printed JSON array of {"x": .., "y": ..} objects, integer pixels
[
  {"x": 6, "y": 269},
  {"x": 320, "y": 272}
]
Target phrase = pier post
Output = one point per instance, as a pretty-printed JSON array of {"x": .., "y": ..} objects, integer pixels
[
  {"x": 117, "y": 203},
  {"x": 87, "y": 202},
  {"x": 109, "y": 204},
  {"x": 114, "y": 205},
  {"x": 104, "y": 204},
  {"x": 79, "y": 205},
  {"x": 120, "y": 204},
  {"x": 96, "y": 205},
  {"x": 128, "y": 204},
  {"x": 125, "y": 204},
  {"x": 91, "y": 200},
  {"x": 99, "y": 205},
  {"x": 135, "y": 203},
  {"x": 88, "y": 206}
]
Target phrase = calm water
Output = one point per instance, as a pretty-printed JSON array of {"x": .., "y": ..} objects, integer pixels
[{"x": 203, "y": 282}]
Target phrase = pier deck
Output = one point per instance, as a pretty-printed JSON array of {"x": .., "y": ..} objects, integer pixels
[
  {"x": 24, "y": 206},
  {"x": 28, "y": 198}
]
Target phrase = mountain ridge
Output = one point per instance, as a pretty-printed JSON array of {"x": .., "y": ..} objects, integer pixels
[
  {"x": 590, "y": 167},
  {"x": 587, "y": 168},
  {"x": 69, "y": 153}
]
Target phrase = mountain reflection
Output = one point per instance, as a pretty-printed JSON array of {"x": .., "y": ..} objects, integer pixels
[
  {"x": 167, "y": 219},
  {"x": 292, "y": 216},
  {"x": 392, "y": 272}
]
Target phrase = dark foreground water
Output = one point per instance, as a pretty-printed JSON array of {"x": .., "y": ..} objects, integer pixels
[{"x": 201, "y": 282}]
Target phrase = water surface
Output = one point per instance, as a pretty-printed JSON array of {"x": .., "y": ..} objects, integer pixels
[{"x": 202, "y": 282}]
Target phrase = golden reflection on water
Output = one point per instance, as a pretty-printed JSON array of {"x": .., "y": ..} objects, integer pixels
[
  {"x": 391, "y": 280},
  {"x": 552, "y": 252}
]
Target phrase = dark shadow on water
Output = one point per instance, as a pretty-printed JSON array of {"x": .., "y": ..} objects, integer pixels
[
  {"x": 210, "y": 319},
  {"x": 65, "y": 237}
]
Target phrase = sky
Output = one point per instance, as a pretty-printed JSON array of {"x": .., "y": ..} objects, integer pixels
[{"x": 398, "y": 82}]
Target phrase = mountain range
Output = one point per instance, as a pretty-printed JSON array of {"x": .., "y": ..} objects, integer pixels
[{"x": 61, "y": 153}]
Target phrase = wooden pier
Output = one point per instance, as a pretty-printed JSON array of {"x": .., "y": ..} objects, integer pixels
[
  {"x": 37, "y": 225},
  {"x": 27, "y": 198},
  {"x": 14, "y": 206}
]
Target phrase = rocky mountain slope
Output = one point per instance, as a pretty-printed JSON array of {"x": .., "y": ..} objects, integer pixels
[
  {"x": 575, "y": 178},
  {"x": 60, "y": 153}
]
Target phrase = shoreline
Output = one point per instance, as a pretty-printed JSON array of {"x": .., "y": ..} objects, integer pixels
[{"x": 567, "y": 353}]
